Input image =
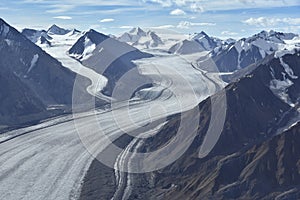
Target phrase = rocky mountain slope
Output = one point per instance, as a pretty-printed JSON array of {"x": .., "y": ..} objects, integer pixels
[
  {"x": 255, "y": 157},
  {"x": 35, "y": 85},
  {"x": 141, "y": 39},
  {"x": 197, "y": 43},
  {"x": 109, "y": 57},
  {"x": 246, "y": 51}
]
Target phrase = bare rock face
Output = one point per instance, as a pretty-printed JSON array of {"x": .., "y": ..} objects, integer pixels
[{"x": 35, "y": 85}]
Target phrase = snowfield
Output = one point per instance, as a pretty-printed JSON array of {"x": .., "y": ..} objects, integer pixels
[
  {"x": 280, "y": 87},
  {"x": 60, "y": 45},
  {"x": 49, "y": 161},
  {"x": 45, "y": 164}
]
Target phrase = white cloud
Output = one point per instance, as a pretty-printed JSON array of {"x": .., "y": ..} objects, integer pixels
[
  {"x": 266, "y": 22},
  {"x": 192, "y": 5},
  {"x": 57, "y": 8},
  {"x": 126, "y": 27},
  {"x": 63, "y": 17},
  {"x": 167, "y": 26},
  {"x": 107, "y": 20},
  {"x": 195, "y": 7},
  {"x": 291, "y": 21},
  {"x": 261, "y": 21},
  {"x": 4, "y": 8},
  {"x": 177, "y": 12},
  {"x": 164, "y": 3},
  {"x": 204, "y": 5},
  {"x": 187, "y": 24},
  {"x": 180, "y": 2},
  {"x": 229, "y": 33}
]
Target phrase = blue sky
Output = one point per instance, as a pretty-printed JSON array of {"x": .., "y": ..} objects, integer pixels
[{"x": 232, "y": 18}]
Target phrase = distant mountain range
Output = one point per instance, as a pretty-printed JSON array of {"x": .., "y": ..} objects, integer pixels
[
  {"x": 141, "y": 39},
  {"x": 246, "y": 51},
  {"x": 43, "y": 37},
  {"x": 37, "y": 37},
  {"x": 197, "y": 43},
  {"x": 231, "y": 55}
]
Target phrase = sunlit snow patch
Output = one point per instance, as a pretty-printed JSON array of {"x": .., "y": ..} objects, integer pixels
[{"x": 33, "y": 63}]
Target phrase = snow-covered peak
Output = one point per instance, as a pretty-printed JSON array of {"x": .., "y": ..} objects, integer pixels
[
  {"x": 186, "y": 47},
  {"x": 74, "y": 32},
  {"x": 56, "y": 30},
  {"x": 267, "y": 41},
  {"x": 95, "y": 36},
  {"x": 155, "y": 37},
  {"x": 290, "y": 47},
  {"x": 42, "y": 41},
  {"x": 35, "y": 35},
  {"x": 272, "y": 36},
  {"x": 86, "y": 44},
  {"x": 197, "y": 36},
  {"x": 229, "y": 41},
  {"x": 138, "y": 31},
  {"x": 197, "y": 42},
  {"x": 141, "y": 39},
  {"x": 249, "y": 50}
]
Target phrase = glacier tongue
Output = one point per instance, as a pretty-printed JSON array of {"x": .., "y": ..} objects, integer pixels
[{"x": 61, "y": 44}]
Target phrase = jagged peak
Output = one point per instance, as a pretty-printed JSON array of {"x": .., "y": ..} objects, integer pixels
[
  {"x": 55, "y": 29},
  {"x": 92, "y": 32},
  {"x": 138, "y": 31},
  {"x": 200, "y": 35},
  {"x": 54, "y": 26},
  {"x": 94, "y": 36}
]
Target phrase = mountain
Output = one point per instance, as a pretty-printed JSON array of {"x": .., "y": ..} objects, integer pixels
[
  {"x": 35, "y": 85},
  {"x": 255, "y": 157},
  {"x": 74, "y": 32},
  {"x": 246, "y": 51},
  {"x": 197, "y": 43},
  {"x": 56, "y": 30},
  {"x": 37, "y": 37},
  {"x": 42, "y": 38},
  {"x": 109, "y": 57},
  {"x": 43, "y": 41},
  {"x": 139, "y": 38},
  {"x": 86, "y": 44}
]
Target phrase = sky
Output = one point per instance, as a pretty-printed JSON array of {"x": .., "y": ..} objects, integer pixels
[{"x": 220, "y": 18}]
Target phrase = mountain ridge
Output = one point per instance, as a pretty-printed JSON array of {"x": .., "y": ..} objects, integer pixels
[{"x": 47, "y": 86}]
